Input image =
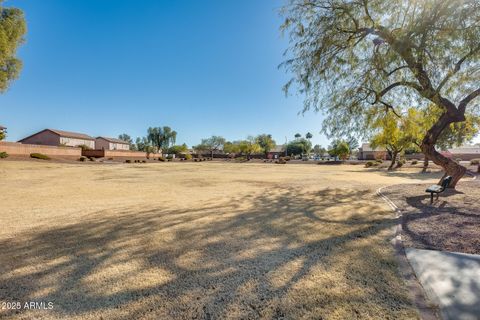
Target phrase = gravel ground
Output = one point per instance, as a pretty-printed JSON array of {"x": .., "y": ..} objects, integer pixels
[
  {"x": 199, "y": 241},
  {"x": 452, "y": 223}
]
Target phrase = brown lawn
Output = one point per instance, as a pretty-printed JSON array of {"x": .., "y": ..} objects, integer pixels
[{"x": 199, "y": 241}]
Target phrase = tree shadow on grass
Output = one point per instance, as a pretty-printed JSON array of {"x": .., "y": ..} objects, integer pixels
[{"x": 284, "y": 253}]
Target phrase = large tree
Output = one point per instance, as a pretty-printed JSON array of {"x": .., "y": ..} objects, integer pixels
[
  {"x": 212, "y": 144},
  {"x": 391, "y": 133},
  {"x": 125, "y": 137},
  {"x": 349, "y": 56},
  {"x": 266, "y": 142},
  {"x": 161, "y": 138}
]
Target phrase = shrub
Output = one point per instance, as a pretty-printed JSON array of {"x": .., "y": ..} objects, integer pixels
[
  {"x": 281, "y": 161},
  {"x": 400, "y": 163},
  {"x": 370, "y": 164},
  {"x": 162, "y": 159},
  {"x": 144, "y": 161},
  {"x": 379, "y": 160},
  {"x": 287, "y": 158},
  {"x": 3, "y": 155},
  {"x": 474, "y": 162},
  {"x": 84, "y": 147},
  {"x": 169, "y": 157},
  {"x": 128, "y": 161},
  {"x": 110, "y": 159},
  {"x": 414, "y": 162},
  {"x": 188, "y": 156},
  {"x": 92, "y": 159},
  {"x": 82, "y": 158},
  {"x": 39, "y": 156}
]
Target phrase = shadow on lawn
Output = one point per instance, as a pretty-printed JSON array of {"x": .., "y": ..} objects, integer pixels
[{"x": 283, "y": 253}]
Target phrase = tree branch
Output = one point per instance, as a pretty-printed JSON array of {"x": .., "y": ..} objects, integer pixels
[
  {"x": 457, "y": 67},
  {"x": 465, "y": 101}
]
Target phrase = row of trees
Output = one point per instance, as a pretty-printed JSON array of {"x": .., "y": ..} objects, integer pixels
[
  {"x": 157, "y": 140},
  {"x": 263, "y": 143}
]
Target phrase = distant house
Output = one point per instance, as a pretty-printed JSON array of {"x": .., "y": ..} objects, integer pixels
[
  {"x": 277, "y": 152},
  {"x": 365, "y": 152},
  {"x": 465, "y": 152},
  {"x": 51, "y": 137},
  {"x": 105, "y": 143}
]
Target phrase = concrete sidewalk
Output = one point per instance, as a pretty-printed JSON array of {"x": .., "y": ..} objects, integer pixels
[{"x": 452, "y": 280}]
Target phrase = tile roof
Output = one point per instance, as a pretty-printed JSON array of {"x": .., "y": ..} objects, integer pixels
[
  {"x": 69, "y": 134},
  {"x": 114, "y": 140}
]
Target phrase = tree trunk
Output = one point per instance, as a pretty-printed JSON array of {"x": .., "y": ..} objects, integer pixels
[
  {"x": 425, "y": 164},
  {"x": 394, "y": 158},
  {"x": 451, "y": 168}
]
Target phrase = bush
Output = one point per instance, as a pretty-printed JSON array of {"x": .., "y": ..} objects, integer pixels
[
  {"x": 82, "y": 159},
  {"x": 414, "y": 162},
  {"x": 187, "y": 156},
  {"x": 128, "y": 161},
  {"x": 162, "y": 159},
  {"x": 400, "y": 163},
  {"x": 3, "y": 155},
  {"x": 84, "y": 147},
  {"x": 472, "y": 162},
  {"x": 287, "y": 158},
  {"x": 379, "y": 160},
  {"x": 371, "y": 164},
  {"x": 92, "y": 159},
  {"x": 39, "y": 156},
  {"x": 144, "y": 161},
  {"x": 281, "y": 161},
  {"x": 169, "y": 157}
]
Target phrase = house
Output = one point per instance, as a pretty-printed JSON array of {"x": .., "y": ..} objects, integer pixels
[
  {"x": 277, "y": 152},
  {"x": 365, "y": 152},
  {"x": 105, "y": 143},
  {"x": 465, "y": 152},
  {"x": 51, "y": 137}
]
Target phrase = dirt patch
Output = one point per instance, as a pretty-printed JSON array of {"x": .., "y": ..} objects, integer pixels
[{"x": 452, "y": 223}]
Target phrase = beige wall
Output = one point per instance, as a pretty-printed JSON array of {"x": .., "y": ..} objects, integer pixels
[
  {"x": 72, "y": 142},
  {"x": 20, "y": 149},
  {"x": 107, "y": 145},
  {"x": 117, "y": 154}
]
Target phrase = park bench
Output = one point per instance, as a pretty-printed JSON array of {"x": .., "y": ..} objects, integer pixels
[{"x": 439, "y": 188}]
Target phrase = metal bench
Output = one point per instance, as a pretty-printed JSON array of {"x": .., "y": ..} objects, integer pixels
[{"x": 439, "y": 188}]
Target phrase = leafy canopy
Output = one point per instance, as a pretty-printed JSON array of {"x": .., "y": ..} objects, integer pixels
[
  {"x": 12, "y": 31},
  {"x": 348, "y": 57}
]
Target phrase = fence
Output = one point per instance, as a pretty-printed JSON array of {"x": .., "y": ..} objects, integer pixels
[{"x": 20, "y": 149}]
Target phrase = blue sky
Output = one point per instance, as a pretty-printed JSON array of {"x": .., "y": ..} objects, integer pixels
[{"x": 111, "y": 66}]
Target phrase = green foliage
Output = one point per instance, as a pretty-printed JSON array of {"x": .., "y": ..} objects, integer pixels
[
  {"x": 340, "y": 149},
  {"x": 212, "y": 144},
  {"x": 352, "y": 58},
  {"x": 266, "y": 142},
  {"x": 369, "y": 164},
  {"x": 309, "y": 136},
  {"x": 3, "y": 155},
  {"x": 299, "y": 146},
  {"x": 187, "y": 156},
  {"x": 82, "y": 159},
  {"x": 12, "y": 31},
  {"x": 177, "y": 149},
  {"x": 298, "y": 135},
  {"x": 249, "y": 146},
  {"x": 3, "y": 134},
  {"x": 231, "y": 148},
  {"x": 39, "y": 156},
  {"x": 319, "y": 150},
  {"x": 161, "y": 138}
]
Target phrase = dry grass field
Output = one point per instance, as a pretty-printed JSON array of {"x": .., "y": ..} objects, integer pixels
[{"x": 199, "y": 241}]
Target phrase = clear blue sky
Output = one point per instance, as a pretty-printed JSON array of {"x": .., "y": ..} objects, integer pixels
[{"x": 111, "y": 66}]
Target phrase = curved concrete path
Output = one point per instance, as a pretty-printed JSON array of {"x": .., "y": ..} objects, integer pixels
[{"x": 452, "y": 280}]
